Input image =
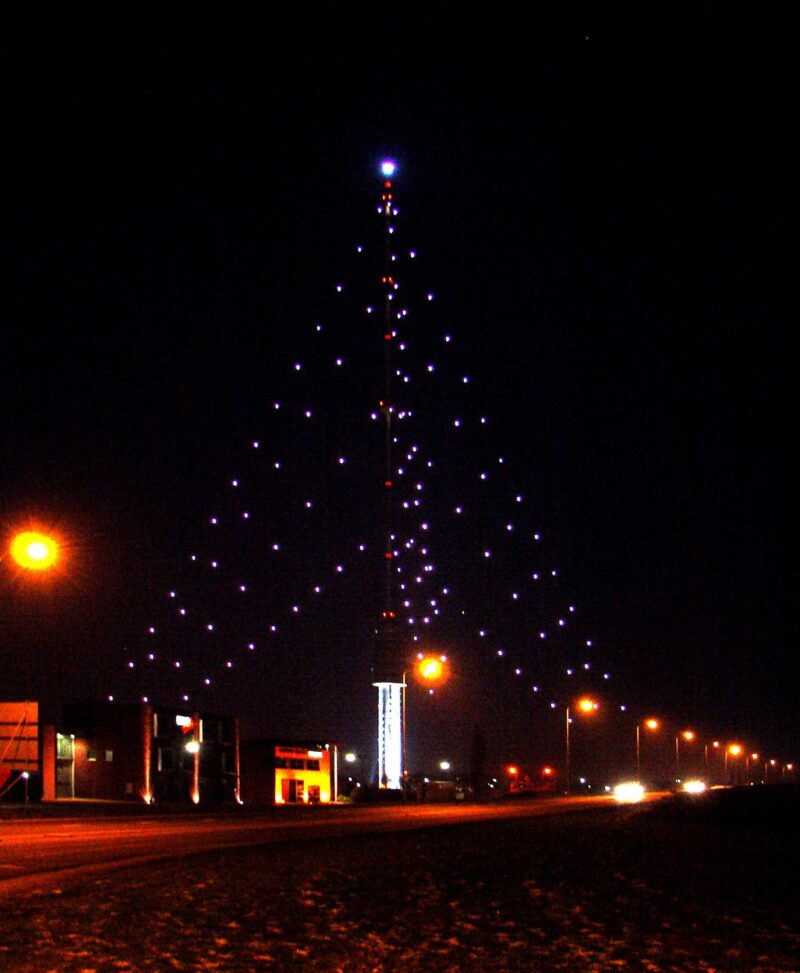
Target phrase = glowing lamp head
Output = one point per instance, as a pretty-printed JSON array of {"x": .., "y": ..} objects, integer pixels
[
  {"x": 192, "y": 747},
  {"x": 688, "y": 735},
  {"x": 34, "y": 551},
  {"x": 512, "y": 771},
  {"x": 431, "y": 668},
  {"x": 547, "y": 771},
  {"x": 388, "y": 168},
  {"x": 734, "y": 750},
  {"x": 651, "y": 724},
  {"x": 587, "y": 705}
]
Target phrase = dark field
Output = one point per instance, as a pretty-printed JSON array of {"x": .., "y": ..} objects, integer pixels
[{"x": 699, "y": 885}]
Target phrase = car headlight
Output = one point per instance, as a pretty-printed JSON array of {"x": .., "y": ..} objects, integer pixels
[{"x": 629, "y": 793}]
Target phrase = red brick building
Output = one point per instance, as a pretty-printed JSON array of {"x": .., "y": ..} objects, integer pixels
[{"x": 138, "y": 751}]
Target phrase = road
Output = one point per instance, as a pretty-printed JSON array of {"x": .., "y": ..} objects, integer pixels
[{"x": 34, "y": 853}]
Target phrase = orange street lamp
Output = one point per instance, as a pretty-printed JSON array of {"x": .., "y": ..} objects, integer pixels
[
  {"x": 433, "y": 670},
  {"x": 767, "y": 765},
  {"x": 732, "y": 750},
  {"x": 587, "y": 707},
  {"x": 651, "y": 724},
  {"x": 34, "y": 550},
  {"x": 715, "y": 745},
  {"x": 688, "y": 736}
]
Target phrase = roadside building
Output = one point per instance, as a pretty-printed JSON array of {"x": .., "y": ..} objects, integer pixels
[
  {"x": 288, "y": 772},
  {"x": 137, "y": 751},
  {"x": 27, "y": 767}
]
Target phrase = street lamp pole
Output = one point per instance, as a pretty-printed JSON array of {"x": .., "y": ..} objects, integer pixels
[
  {"x": 734, "y": 750},
  {"x": 568, "y": 768},
  {"x": 652, "y": 725},
  {"x": 586, "y": 706},
  {"x": 432, "y": 669},
  {"x": 688, "y": 736}
]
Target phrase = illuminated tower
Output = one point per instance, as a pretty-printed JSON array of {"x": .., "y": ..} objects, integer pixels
[{"x": 389, "y": 667}]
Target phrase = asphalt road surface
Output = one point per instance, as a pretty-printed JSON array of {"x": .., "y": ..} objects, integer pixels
[
  {"x": 37, "y": 852},
  {"x": 685, "y": 884}
]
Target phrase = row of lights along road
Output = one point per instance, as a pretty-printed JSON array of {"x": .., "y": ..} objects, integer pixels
[{"x": 37, "y": 551}]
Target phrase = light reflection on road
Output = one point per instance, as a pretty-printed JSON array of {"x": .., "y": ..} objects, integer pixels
[{"x": 41, "y": 849}]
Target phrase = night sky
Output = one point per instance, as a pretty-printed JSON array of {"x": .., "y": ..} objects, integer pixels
[{"x": 602, "y": 209}]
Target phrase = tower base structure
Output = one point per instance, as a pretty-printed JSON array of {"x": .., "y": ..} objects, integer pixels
[
  {"x": 390, "y": 680},
  {"x": 390, "y": 734}
]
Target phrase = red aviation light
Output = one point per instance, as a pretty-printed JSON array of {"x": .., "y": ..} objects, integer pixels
[
  {"x": 388, "y": 483},
  {"x": 388, "y": 555}
]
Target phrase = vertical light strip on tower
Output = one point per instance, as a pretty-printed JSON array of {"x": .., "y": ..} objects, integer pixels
[{"x": 389, "y": 668}]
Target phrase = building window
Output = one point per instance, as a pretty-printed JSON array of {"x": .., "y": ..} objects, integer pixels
[
  {"x": 166, "y": 759},
  {"x": 65, "y": 747},
  {"x": 297, "y": 764},
  {"x": 312, "y": 764},
  {"x": 109, "y": 756},
  {"x": 91, "y": 755}
]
